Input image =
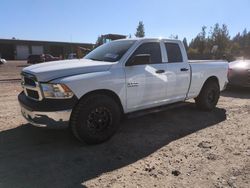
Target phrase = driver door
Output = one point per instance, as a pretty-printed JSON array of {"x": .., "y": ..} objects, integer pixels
[{"x": 146, "y": 82}]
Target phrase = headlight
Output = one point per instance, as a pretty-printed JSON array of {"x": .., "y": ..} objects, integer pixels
[{"x": 56, "y": 91}]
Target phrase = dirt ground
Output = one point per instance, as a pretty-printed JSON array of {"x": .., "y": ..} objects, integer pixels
[
  {"x": 11, "y": 70},
  {"x": 181, "y": 147}
]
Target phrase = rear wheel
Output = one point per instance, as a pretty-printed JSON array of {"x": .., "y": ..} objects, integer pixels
[
  {"x": 209, "y": 96},
  {"x": 95, "y": 119}
]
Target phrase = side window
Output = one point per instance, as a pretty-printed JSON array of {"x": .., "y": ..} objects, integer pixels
[
  {"x": 151, "y": 48},
  {"x": 174, "y": 52}
]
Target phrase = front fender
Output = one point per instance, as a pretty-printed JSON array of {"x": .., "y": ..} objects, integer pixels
[{"x": 84, "y": 83}]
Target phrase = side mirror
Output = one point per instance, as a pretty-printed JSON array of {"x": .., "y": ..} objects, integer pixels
[{"x": 140, "y": 59}]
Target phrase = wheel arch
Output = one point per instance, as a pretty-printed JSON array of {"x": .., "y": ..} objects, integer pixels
[
  {"x": 106, "y": 92},
  {"x": 210, "y": 79}
]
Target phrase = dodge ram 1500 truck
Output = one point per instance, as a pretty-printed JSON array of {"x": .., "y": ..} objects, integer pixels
[{"x": 90, "y": 95}]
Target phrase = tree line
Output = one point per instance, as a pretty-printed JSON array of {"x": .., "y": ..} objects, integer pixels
[{"x": 217, "y": 44}]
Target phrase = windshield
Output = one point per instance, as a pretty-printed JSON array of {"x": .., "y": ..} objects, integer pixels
[{"x": 111, "y": 52}]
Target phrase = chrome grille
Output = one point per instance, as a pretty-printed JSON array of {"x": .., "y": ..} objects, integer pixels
[
  {"x": 31, "y": 86},
  {"x": 33, "y": 94},
  {"x": 29, "y": 81}
]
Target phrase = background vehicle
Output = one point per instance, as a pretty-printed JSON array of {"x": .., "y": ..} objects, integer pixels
[
  {"x": 117, "y": 78},
  {"x": 239, "y": 73},
  {"x": 108, "y": 38},
  {"x": 2, "y": 61},
  {"x": 81, "y": 52},
  {"x": 72, "y": 56},
  {"x": 33, "y": 59},
  {"x": 49, "y": 57}
]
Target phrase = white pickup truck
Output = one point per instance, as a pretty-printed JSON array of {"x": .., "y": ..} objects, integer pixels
[{"x": 91, "y": 94}]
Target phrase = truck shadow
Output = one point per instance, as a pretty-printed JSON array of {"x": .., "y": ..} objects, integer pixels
[
  {"x": 34, "y": 157},
  {"x": 237, "y": 92}
]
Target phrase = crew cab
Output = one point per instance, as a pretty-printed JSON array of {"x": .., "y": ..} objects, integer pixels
[{"x": 90, "y": 95}]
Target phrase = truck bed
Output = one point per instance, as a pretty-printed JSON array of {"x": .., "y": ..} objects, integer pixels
[{"x": 203, "y": 69}]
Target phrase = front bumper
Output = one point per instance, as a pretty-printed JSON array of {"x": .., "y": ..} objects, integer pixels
[
  {"x": 51, "y": 113},
  {"x": 57, "y": 119}
]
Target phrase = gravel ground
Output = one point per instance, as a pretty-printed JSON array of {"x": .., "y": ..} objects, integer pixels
[
  {"x": 11, "y": 70},
  {"x": 181, "y": 147}
]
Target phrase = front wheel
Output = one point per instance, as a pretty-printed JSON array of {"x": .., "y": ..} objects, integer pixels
[
  {"x": 209, "y": 96},
  {"x": 95, "y": 119}
]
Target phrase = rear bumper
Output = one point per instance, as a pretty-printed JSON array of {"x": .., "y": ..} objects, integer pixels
[{"x": 51, "y": 113}]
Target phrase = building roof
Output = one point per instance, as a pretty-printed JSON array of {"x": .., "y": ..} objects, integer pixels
[{"x": 18, "y": 41}]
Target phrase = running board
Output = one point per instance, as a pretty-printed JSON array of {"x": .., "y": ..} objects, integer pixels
[{"x": 155, "y": 109}]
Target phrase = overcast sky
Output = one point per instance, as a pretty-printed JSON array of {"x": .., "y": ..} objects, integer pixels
[{"x": 84, "y": 20}]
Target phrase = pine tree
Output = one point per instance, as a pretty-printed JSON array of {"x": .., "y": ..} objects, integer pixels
[
  {"x": 140, "y": 33},
  {"x": 185, "y": 43},
  {"x": 172, "y": 36}
]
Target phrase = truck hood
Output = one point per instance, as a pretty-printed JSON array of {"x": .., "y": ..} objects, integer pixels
[{"x": 45, "y": 72}]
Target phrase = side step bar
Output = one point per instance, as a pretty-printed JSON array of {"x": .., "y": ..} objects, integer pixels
[{"x": 155, "y": 109}]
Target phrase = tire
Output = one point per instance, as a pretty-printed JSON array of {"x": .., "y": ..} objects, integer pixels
[
  {"x": 209, "y": 96},
  {"x": 95, "y": 119}
]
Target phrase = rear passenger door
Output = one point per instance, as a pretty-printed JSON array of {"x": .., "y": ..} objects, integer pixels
[
  {"x": 146, "y": 83},
  {"x": 178, "y": 72}
]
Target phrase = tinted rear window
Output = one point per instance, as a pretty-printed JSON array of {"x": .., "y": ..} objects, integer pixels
[{"x": 173, "y": 52}]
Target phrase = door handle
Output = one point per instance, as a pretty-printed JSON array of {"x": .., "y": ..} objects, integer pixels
[
  {"x": 184, "y": 69},
  {"x": 159, "y": 71}
]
